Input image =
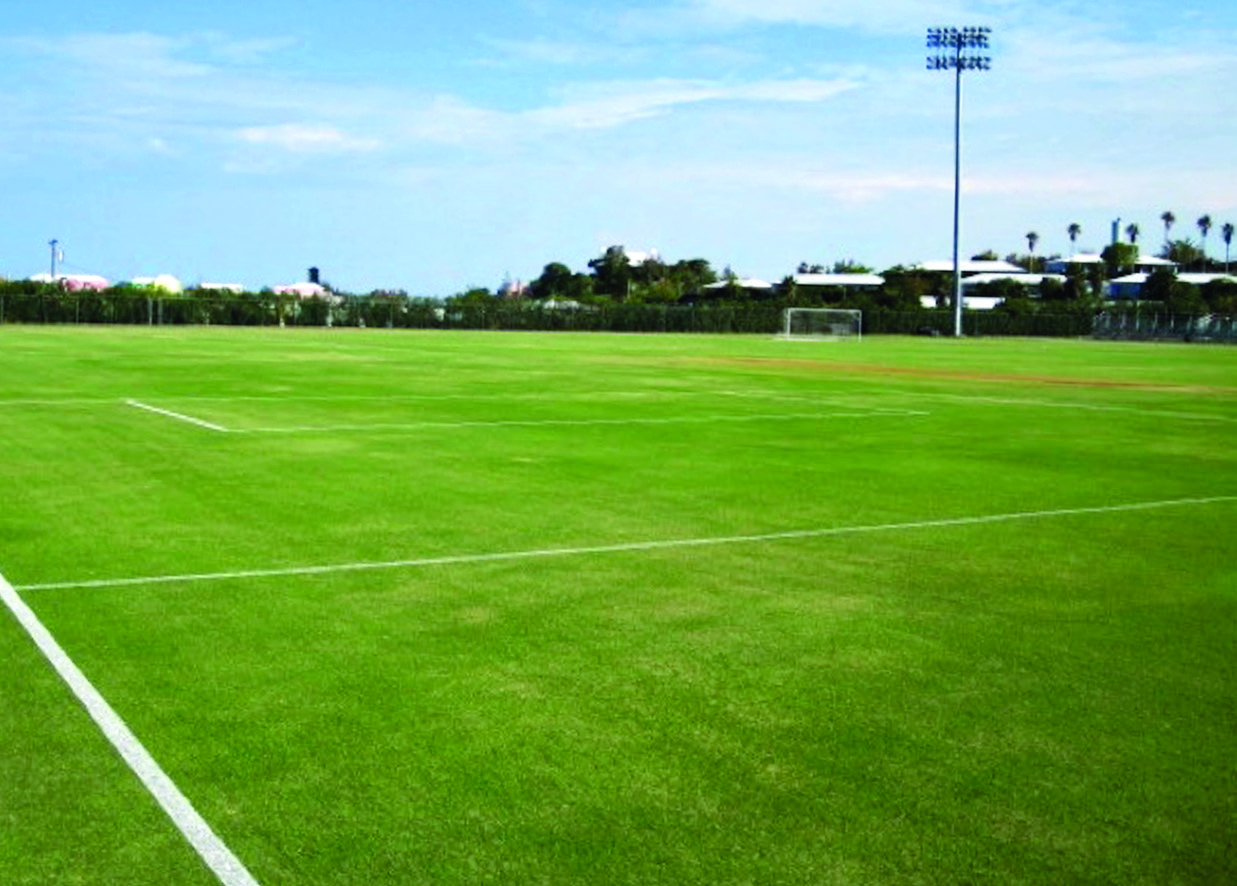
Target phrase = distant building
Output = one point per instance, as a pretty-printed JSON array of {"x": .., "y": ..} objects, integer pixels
[
  {"x": 750, "y": 283},
  {"x": 843, "y": 281},
  {"x": 1131, "y": 285},
  {"x": 164, "y": 282},
  {"x": 301, "y": 290},
  {"x": 513, "y": 289},
  {"x": 1088, "y": 260},
  {"x": 636, "y": 258},
  {"x": 74, "y": 282},
  {"x": 970, "y": 266}
]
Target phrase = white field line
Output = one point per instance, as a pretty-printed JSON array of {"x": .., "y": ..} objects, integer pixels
[
  {"x": 1002, "y": 401},
  {"x": 138, "y": 404},
  {"x": 1092, "y": 407},
  {"x": 226, "y": 866},
  {"x": 348, "y": 398},
  {"x": 575, "y": 422},
  {"x": 630, "y": 546}
]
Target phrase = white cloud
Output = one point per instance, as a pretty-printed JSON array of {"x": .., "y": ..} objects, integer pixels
[
  {"x": 298, "y": 138},
  {"x": 613, "y": 104},
  {"x": 874, "y": 14}
]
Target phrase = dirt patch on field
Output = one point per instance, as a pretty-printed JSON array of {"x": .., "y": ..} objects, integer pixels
[{"x": 962, "y": 375}]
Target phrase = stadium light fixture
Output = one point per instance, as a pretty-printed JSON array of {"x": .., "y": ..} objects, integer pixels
[{"x": 956, "y": 50}]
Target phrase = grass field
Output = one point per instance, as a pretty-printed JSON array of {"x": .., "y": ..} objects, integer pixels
[{"x": 457, "y": 608}]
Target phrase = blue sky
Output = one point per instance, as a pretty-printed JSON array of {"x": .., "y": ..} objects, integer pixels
[{"x": 437, "y": 145}]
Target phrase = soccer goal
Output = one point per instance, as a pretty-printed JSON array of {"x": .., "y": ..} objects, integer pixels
[{"x": 814, "y": 324}]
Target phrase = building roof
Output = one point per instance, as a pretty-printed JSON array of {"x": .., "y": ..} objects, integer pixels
[
  {"x": 1024, "y": 279},
  {"x": 1139, "y": 278},
  {"x": 838, "y": 280},
  {"x": 305, "y": 290},
  {"x": 73, "y": 282},
  {"x": 971, "y": 266},
  {"x": 163, "y": 281},
  {"x": 743, "y": 283}
]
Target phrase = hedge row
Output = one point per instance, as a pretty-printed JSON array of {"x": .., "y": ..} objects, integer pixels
[{"x": 267, "y": 309}]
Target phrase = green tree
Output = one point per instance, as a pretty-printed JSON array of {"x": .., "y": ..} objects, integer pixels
[
  {"x": 1183, "y": 252},
  {"x": 1073, "y": 230},
  {"x": 1178, "y": 298},
  {"x": 1131, "y": 232},
  {"x": 1226, "y": 234},
  {"x": 1052, "y": 289},
  {"x": 554, "y": 282},
  {"x": 1204, "y": 227},
  {"x": 1220, "y": 296},
  {"x": 1119, "y": 258},
  {"x": 692, "y": 275},
  {"x": 1032, "y": 239},
  {"x": 612, "y": 274},
  {"x": 1168, "y": 218},
  {"x": 905, "y": 288},
  {"x": 850, "y": 266},
  {"x": 986, "y": 255}
]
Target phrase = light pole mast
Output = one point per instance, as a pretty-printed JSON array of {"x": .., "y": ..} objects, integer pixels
[
  {"x": 53, "y": 244},
  {"x": 949, "y": 43}
]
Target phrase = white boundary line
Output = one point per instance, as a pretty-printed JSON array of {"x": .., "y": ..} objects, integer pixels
[
  {"x": 226, "y": 866},
  {"x": 628, "y": 547},
  {"x": 578, "y": 422},
  {"x": 1061, "y": 404},
  {"x": 138, "y": 404},
  {"x": 974, "y": 398}
]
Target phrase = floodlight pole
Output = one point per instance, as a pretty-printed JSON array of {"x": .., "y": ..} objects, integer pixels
[
  {"x": 53, "y": 244},
  {"x": 957, "y": 39},
  {"x": 957, "y": 188}
]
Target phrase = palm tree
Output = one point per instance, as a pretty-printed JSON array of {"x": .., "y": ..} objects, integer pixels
[
  {"x": 1226, "y": 232},
  {"x": 1074, "y": 230},
  {"x": 1168, "y": 218},
  {"x": 1032, "y": 239},
  {"x": 1132, "y": 231},
  {"x": 1204, "y": 225}
]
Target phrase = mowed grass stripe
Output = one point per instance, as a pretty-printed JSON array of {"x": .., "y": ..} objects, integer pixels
[
  {"x": 217, "y": 856},
  {"x": 631, "y": 546}
]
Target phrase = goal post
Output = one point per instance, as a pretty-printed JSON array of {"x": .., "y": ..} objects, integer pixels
[{"x": 815, "y": 324}]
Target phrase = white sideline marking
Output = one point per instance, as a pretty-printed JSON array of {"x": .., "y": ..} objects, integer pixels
[
  {"x": 349, "y": 398},
  {"x": 1061, "y": 404},
  {"x": 226, "y": 866},
  {"x": 575, "y": 422},
  {"x": 1004, "y": 401},
  {"x": 138, "y": 404},
  {"x": 621, "y": 548}
]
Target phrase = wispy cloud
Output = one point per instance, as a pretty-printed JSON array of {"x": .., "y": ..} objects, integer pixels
[
  {"x": 613, "y": 104},
  {"x": 299, "y": 138}
]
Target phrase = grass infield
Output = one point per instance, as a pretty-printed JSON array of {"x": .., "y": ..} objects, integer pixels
[{"x": 945, "y": 698}]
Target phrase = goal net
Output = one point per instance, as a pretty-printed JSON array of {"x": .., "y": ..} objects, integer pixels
[{"x": 813, "y": 324}]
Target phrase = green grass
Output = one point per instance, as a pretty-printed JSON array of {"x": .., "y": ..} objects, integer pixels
[{"x": 1043, "y": 700}]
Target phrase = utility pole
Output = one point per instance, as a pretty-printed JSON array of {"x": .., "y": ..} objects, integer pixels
[
  {"x": 949, "y": 42},
  {"x": 53, "y": 244}
]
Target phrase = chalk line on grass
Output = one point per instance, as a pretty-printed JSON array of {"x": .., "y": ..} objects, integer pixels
[
  {"x": 1091, "y": 407},
  {"x": 974, "y": 398},
  {"x": 626, "y": 547},
  {"x": 575, "y": 422},
  {"x": 225, "y": 865},
  {"x": 179, "y": 416}
]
